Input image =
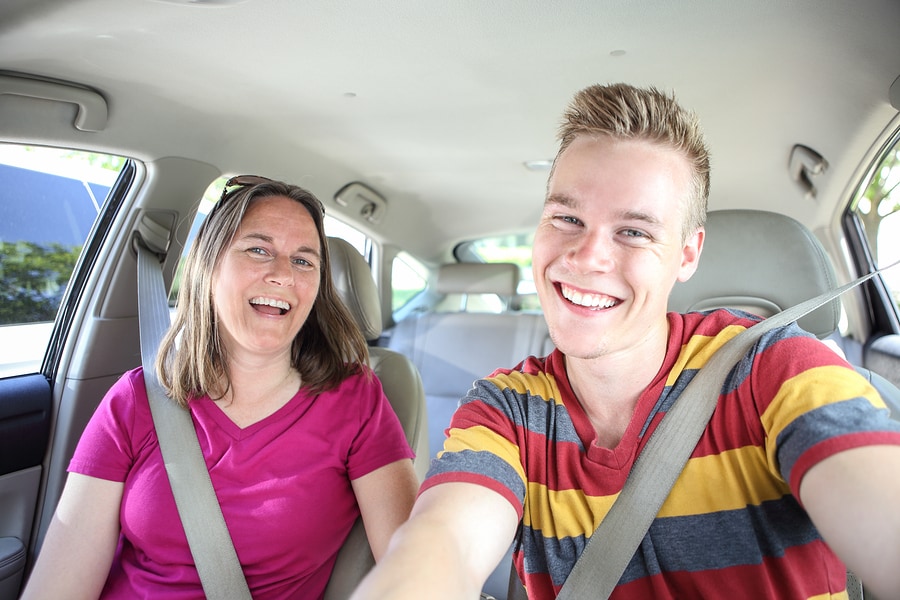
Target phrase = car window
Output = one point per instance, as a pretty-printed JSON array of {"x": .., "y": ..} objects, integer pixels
[
  {"x": 409, "y": 278},
  {"x": 49, "y": 201},
  {"x": 877, "y": 212}
]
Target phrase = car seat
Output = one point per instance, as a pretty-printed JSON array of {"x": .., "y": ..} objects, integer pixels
[
  {"x": 469, "y": 335},
  {"x": 764, "y": 262},
  {"x": 402, "y": 386}
]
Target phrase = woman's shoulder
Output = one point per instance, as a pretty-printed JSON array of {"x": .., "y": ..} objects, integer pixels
[
  {"x": 361, "y": 382},
  {"x": 126, "y": 399}
]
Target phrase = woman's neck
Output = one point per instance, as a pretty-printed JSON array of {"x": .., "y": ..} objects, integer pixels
[{"x": 258, "y": 389}]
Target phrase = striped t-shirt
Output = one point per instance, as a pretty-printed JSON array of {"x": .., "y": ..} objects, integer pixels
[{"x": 732, "y": 526}]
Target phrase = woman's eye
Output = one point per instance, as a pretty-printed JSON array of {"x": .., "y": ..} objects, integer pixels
[{"x": 257, "y": 250}]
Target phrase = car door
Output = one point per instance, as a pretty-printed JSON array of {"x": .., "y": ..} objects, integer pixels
[
  {"x": 56, "y": 207},
  {"x": 871, "y": 228}
]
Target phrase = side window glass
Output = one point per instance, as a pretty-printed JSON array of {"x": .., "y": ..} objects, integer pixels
[
  {"x": 878, "y": 211},
  {"x": 49, "y": 201},
  {"x": 409, "y": 278}
]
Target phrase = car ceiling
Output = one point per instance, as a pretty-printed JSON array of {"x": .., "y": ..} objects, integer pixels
[{"x": 437, "y": 105}]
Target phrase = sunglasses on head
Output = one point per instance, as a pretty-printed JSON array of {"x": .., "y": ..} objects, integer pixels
[
  {"x": 239, "y": 181},
  {"x": 242, "y": 181}
]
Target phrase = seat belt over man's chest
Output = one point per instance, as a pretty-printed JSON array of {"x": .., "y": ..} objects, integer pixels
[{"x": 614, "y": 542}]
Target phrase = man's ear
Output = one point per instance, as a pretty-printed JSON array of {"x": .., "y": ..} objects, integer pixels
[{"x": 690, "y": 254}]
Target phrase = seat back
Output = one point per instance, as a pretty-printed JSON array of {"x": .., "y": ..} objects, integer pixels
[
  {"x": 453, "y": 349},
  {"x": 461, "y": 281},
  {"x": 761, "y": 262},
  {"x": 402, "y": 387}
]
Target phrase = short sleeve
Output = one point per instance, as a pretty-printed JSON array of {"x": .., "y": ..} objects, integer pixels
[
  {"x": 813, "y": 404},
  {"x": 379, "y": 440},
  {"x": 483, "y": 446},
  {"x": 107, "y": 448}
]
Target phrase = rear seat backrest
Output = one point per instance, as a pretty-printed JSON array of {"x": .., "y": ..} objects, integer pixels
[
  {"x": 463, "y": 280},
  {"x": 453, "y": 349}
]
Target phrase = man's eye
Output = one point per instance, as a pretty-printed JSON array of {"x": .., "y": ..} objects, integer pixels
[
  {"x": 569, "y": 219},
  {"x": 634, "y": 233}
]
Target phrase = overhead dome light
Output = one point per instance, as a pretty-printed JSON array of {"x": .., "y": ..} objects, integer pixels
[{"x": 538, "y": 165}]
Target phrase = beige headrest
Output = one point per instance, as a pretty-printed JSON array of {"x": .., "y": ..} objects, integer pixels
[
  {"x": 761, "y": 262},
  {"x": 356, "y": 287},
  {"x": 478, "y": 278}
]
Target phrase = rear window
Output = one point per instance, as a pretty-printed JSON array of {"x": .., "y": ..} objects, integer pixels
[{"x": 510, "y": 248}]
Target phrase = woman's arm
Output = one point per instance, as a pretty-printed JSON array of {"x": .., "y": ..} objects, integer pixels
[
  {"x": 385, "y": 497},
  {"x": 75, "y": 558}
]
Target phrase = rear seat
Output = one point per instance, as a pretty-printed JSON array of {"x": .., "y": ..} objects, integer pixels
[{"x": 453, "y": 349}]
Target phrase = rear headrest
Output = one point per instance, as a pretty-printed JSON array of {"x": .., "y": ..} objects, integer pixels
[
  {"x": 478, "y": 278},
  {"x": 354, "y": 284},
  {"x": 761, "y": 262}
]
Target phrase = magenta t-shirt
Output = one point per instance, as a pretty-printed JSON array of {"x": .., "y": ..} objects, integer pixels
[{"x": 283, "y": 484}]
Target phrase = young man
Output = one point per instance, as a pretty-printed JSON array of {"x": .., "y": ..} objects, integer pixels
[{"x": 798, "y": 466}]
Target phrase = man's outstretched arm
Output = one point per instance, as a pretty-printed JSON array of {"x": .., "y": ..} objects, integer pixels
[
  {"x": 853, "y": 498},
  {"x": 455, "y": 537}
]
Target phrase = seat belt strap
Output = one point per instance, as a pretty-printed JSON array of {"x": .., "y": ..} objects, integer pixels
[
  {"x": 612, "y": 545},
  {"x": 201, "y": 516}
]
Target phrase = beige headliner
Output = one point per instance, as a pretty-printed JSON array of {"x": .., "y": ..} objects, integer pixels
[{"x": 437, "y": 104}]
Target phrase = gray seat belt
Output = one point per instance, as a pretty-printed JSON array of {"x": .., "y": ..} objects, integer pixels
[
  {"x": 614, "y": 542},
  {"x": 207, "y": 534}
]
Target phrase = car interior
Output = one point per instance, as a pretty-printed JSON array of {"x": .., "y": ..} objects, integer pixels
[{"x": 427, "y": 130}]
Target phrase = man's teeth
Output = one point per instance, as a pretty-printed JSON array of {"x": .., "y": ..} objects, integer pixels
[
  {"x": 271, "y": 302},
  {"x": 588, "y": 300}
]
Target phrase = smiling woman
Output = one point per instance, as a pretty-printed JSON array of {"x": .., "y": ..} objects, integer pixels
[{"x": 265, "y": 357}]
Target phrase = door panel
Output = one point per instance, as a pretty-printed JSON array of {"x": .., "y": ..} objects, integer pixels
[
  {"x": 882, "y": 355},
  {"x": 25, "y": 414}
]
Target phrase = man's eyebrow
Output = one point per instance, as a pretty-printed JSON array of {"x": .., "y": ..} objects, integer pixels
[
  {"x": 634, "y": 215},
  {"x": 562, "y": 200},
  {"x": 567, "y": 201}
]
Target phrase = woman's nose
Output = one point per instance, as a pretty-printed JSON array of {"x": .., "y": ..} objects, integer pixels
[{"x": 281, "y": 271}]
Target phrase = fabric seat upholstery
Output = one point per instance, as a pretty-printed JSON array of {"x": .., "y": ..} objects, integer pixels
[
  {"x": 761, "y": 262},
  {"x": 402, "y": 387},
  {"x": 451, "y": 350},
  {"x": 764, "y": 262}
]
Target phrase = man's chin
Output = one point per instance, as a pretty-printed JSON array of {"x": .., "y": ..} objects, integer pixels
[{"x": 577, "y": 346}]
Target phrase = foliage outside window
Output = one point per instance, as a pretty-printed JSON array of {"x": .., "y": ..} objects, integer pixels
[
  {"x": 878, "y": 209},
  {"x": 48, "y": 205}
]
